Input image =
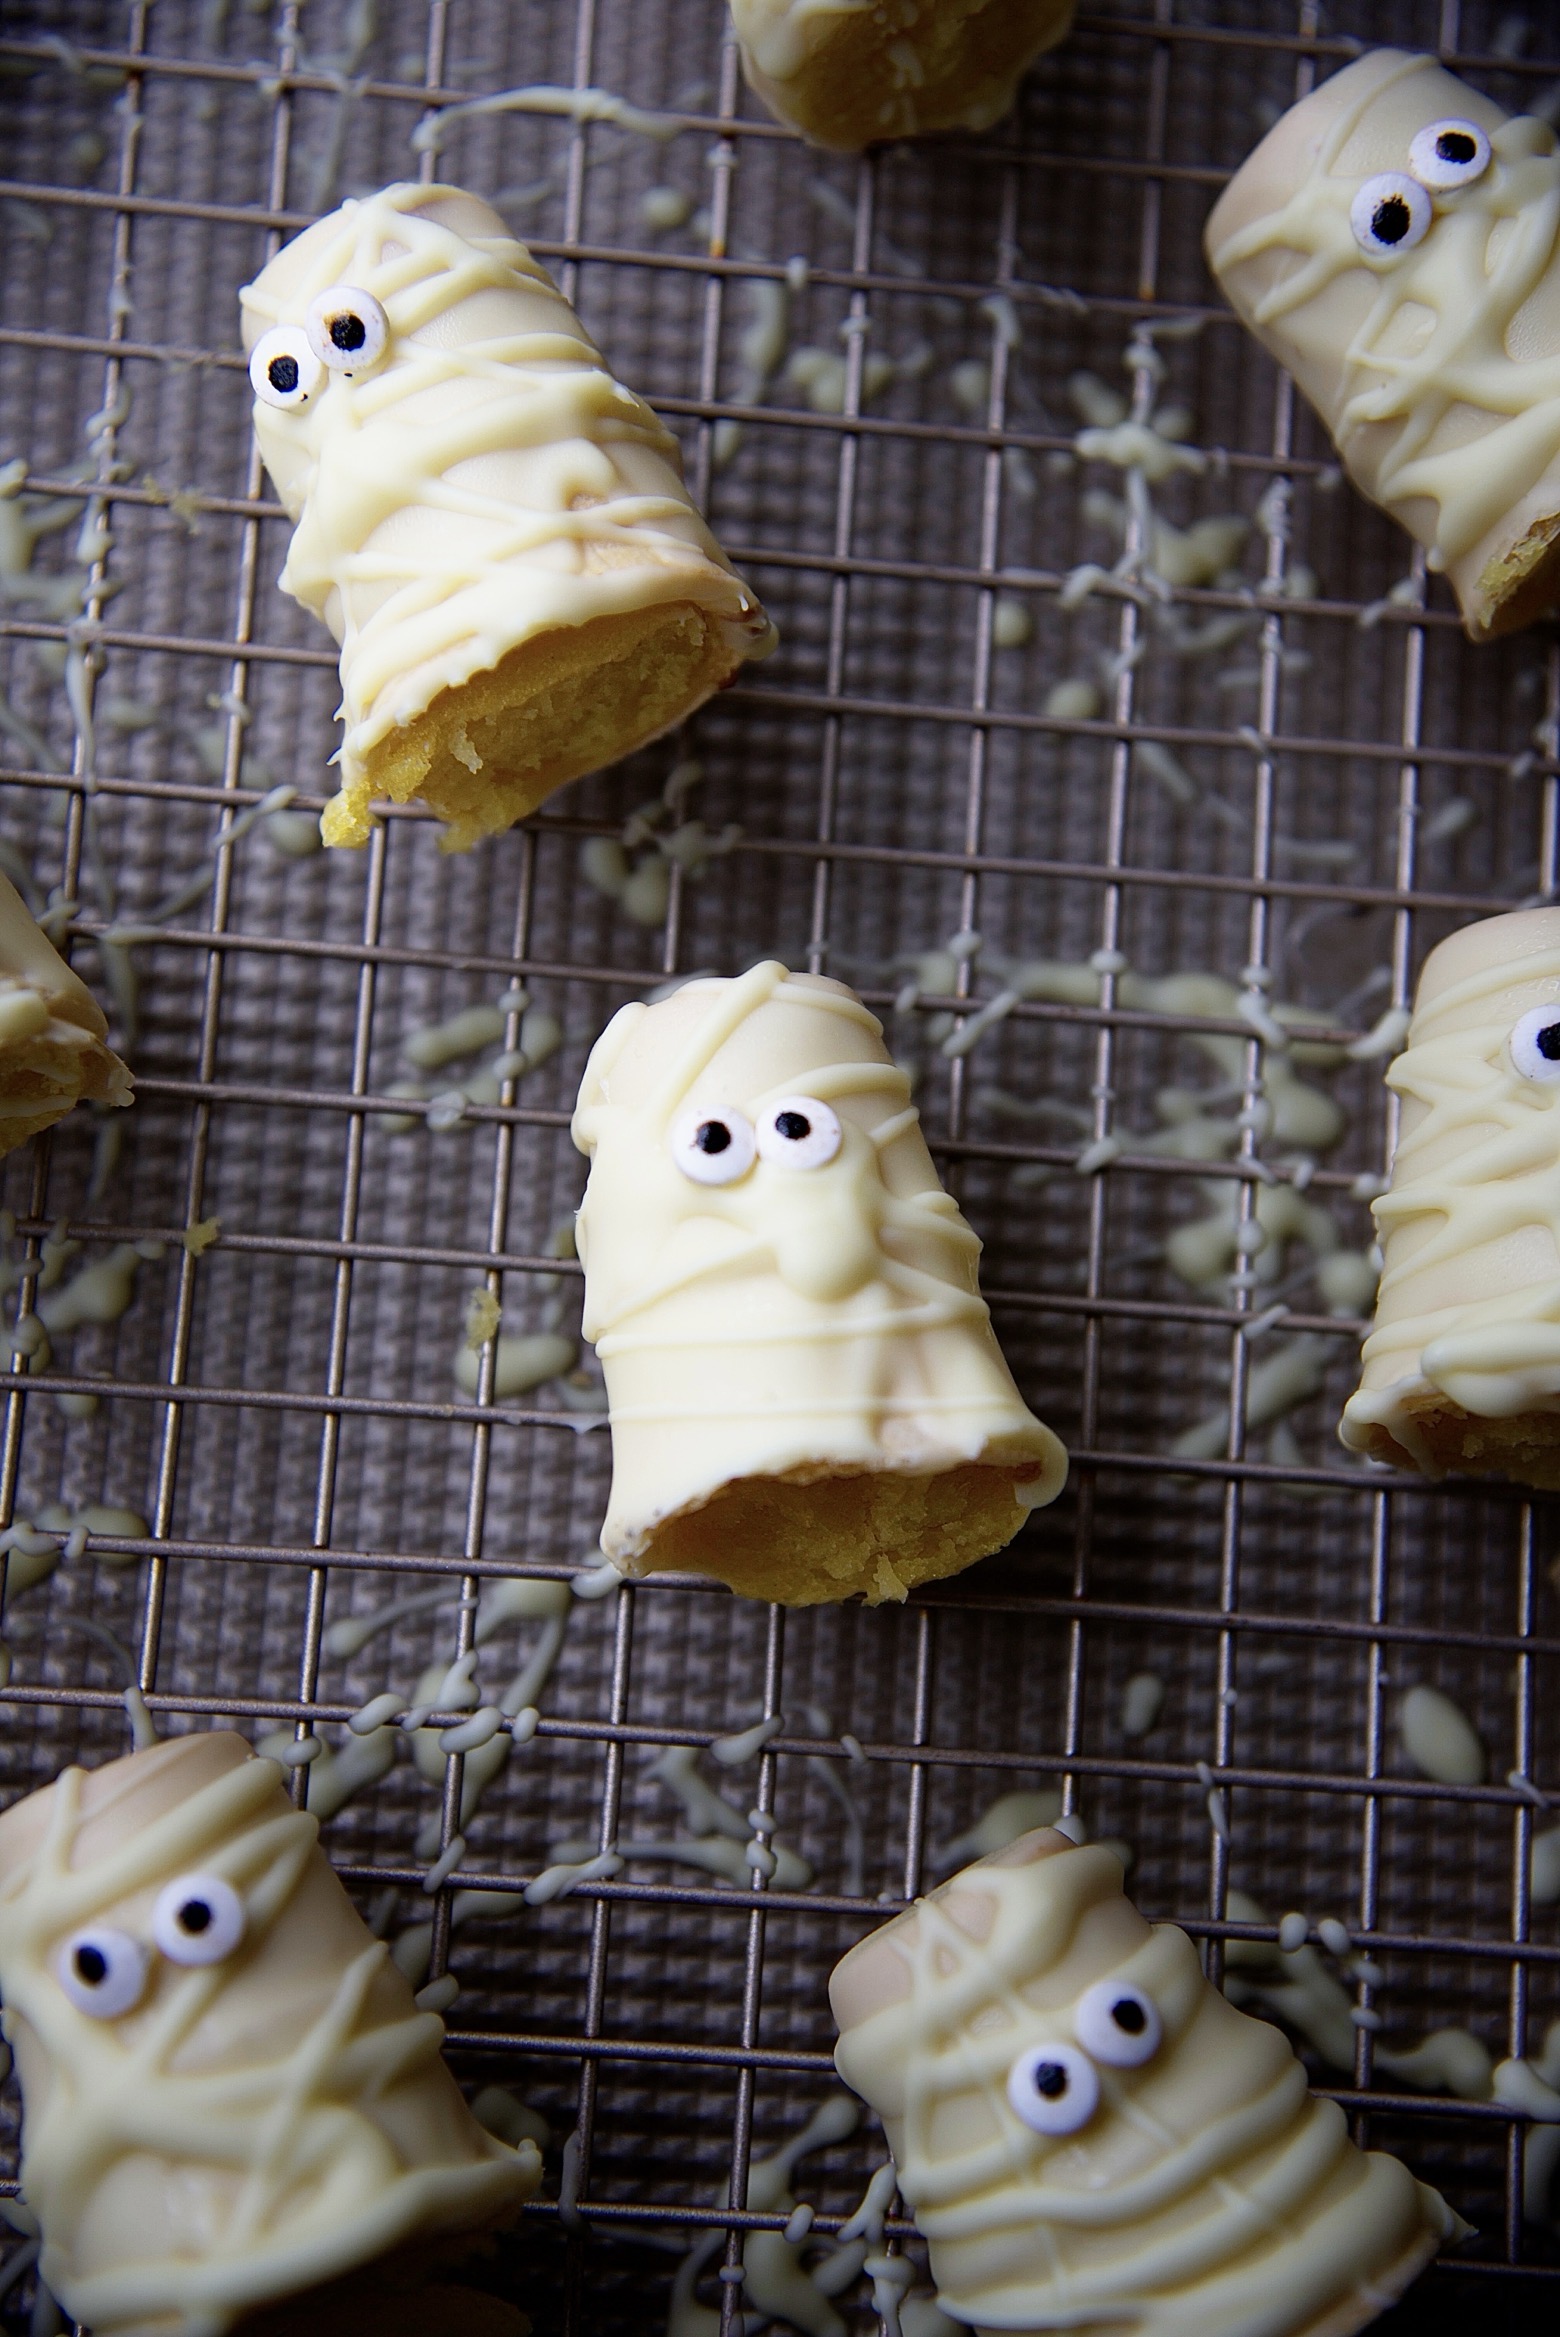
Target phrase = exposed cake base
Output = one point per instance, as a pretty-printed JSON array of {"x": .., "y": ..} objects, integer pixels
[
  {"x": 1525, "y": 1447},
  {"x": 559, "y": 705},
  {"x": 1521, "y": 585},
  {"x": 42, "y": 1078},
  {"x": 815, "y": 1535},
  {"x": 969, "y": 54}
]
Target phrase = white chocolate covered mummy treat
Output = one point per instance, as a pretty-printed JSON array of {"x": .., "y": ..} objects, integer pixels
[
  {"x": 807, "y": 1400},
  {"x": 847, "y": 73},
  {"x": 1462, "y": 1368},
  {"x": 496, "y": 531},
  {"x": 1091, "y": 2137},
  {"x": 54, "y": 1049},
  {"x": 1393, "y": 242},
  {"x": 230, "y": 2097}
]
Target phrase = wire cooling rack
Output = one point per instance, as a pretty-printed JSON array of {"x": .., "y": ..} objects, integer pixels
[{"x": 1301, "y": 812}]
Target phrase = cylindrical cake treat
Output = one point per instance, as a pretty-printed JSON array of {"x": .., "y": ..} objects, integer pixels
[
  {"x": 1462, "y": 1367},
  {"x": 806, "y": 1396},
  {"x": 1393, "y": 242},
  {"x": 1091, "y": 2137},
  {"x": 54, "y": 1049},
  {"x": 847, "y": 73},
  {"x": 230, "y": 2097},
  {"x": 496, "y": 531}
]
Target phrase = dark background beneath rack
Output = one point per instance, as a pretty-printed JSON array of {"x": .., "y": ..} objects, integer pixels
[{"x": 895, "y": 781}]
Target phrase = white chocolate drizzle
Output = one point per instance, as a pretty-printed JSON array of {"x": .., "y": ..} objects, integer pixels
[
  {"x": 1209, "y": 2190},
  {"x": 789, "y": 2275},
  {"x": 486, "y": 481},
  {"x": 1436, "y": 367},
  {"x": 279, "y": 2154},
  {"x": 795, "y": 1318},
  {"x": 1470, "y": 1225}
]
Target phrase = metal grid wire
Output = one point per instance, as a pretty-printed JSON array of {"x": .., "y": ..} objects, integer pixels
[{"x": 282, "y": 1407}]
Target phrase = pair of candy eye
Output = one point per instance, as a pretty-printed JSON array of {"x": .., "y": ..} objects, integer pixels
[
  {"x": 716, "y": 1148},
  {"x": 1055, "y": 2088},
  {"x": 1535, "y": 1045},
  {"x": 199, "y": 1919},
  {"x": 1393, "y": 211},
  {"x": 345, "y": 331}
]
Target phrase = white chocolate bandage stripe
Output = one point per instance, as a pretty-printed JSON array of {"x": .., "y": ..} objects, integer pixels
[
  {"x": 929, "y": 1301},
  {"x": 1435, "y": 405},
  {"x": 799, "y": 1319},
  {"x": 1478, "y": 1168},
  {"x": 513, "y": 448},
  {"x": 1209, "y": 2190},
  {"x": 311, "y": 2182}
]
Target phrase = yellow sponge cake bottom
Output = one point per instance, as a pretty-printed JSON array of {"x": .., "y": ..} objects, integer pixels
[
  {"x": 813, "y": 1536},
  {"x": 561, "y": 704},
  {"x": 969, "y": 54}
]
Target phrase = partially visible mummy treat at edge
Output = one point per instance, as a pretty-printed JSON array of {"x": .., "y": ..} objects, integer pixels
[
  {"x": 54, "y": 1050},
  {"x": 496, "y": 531},
  {"x": 848, "y": 73},
  {"x": 1462, "y": 1367},
  {"x": 230, "y": 2099},
  {"x": 1395, "y": 242},
  {"x": 1091, "y": 2137},
  {"x": 807, "y": 1399}
]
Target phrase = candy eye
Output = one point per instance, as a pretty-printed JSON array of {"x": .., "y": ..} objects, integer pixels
[
  {"x": 1118, "y": 2024},
  {"x": 1054, "y": 2088},
  {"x": 283, "y": 369},
  {"x": 798, "y": 1132},
  {"x": 347, "y": 328},
  {"x": 1535, "y": 1044},
  {"x": 103, "y": 1972},
  {"x": 1449, "y": 154},
  {"x": 1391, "y": 213},
  {"x": 714, "y": 1148},
  {"x": 198, "y": 1920}
]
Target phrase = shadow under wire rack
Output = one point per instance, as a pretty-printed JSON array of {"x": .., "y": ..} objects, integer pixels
[{"x": 1290, "y": 773}]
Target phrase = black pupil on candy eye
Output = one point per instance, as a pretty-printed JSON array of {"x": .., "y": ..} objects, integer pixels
[
  {"x": 1455, "y": 146},
  {"x": 348, "y": 331},
  {"x": 1050, "y": 2080},
  {"x": 195, "y": 1916},
  {"x": 1129, "y": 2016},
  {"x": 793, "y": 1126},
  {"x": 91, "y": 1966},
  {"x": 713, "y": 1137},
  {"x": 1390, "y": 220},
  {"x": 282, "y": 374},
  {"x": 1547, "y": 1041}
]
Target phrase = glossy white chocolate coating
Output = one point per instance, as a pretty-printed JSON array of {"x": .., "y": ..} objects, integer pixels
[
  {"x": 1469, "y": 1304},
  {"x": 825, "y": 1318},
  {"x": 1209, "y": 2195},
  {"x": 485, "y": 481},
  {"x": 791, "y": 54},
  {"x": 53, "y": 1037},
  {"x": 1437, "y": 367},
  {"x": 251, "y": 2127}
]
